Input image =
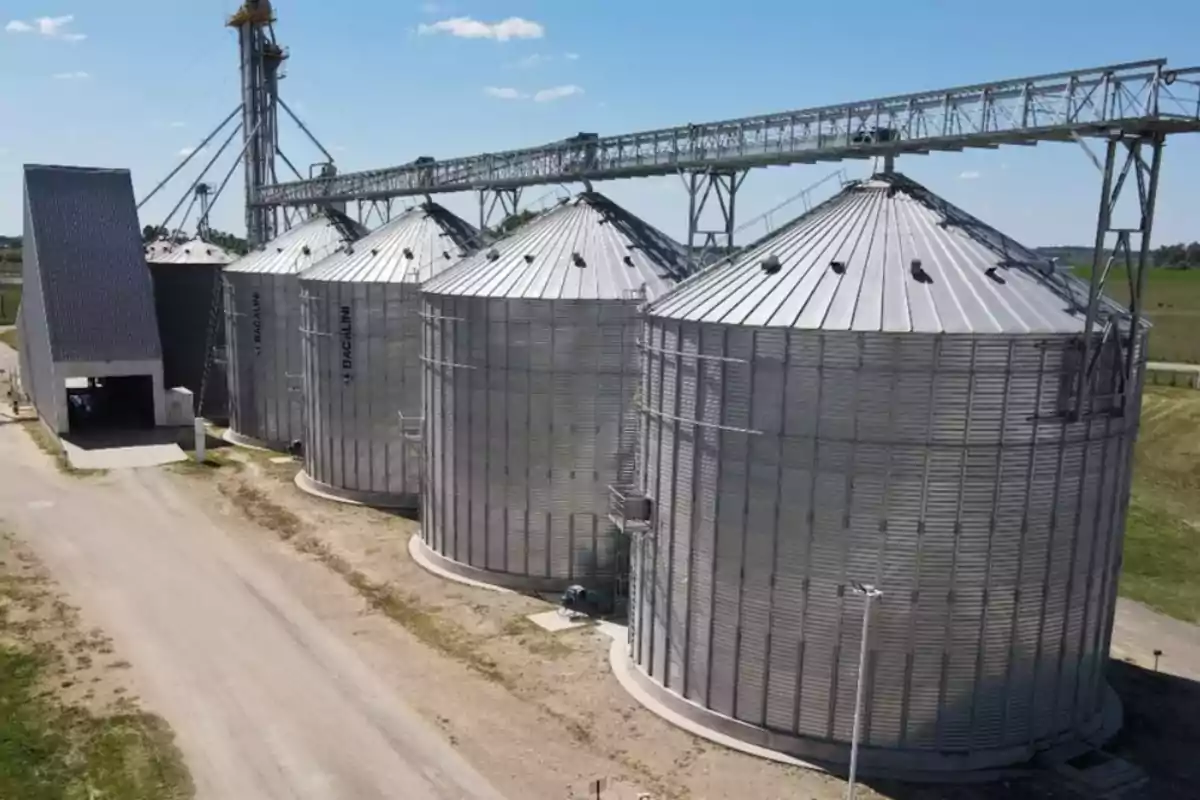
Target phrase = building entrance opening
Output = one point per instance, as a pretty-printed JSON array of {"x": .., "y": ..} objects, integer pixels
[{"x": 110, "y": 403}]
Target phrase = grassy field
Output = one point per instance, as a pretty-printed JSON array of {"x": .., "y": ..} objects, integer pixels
[
  {"x": 67, "y": 729},
  {"x": 10, "y": 298},
  {"x": 1173, "y": 304},
  {"x": 1162, "y": 539}
]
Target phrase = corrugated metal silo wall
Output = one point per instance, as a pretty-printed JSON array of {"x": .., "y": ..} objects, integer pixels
[
  {"x": 264, "y": 367},
  {"x": 190, "y": 326},
  {"x": 362, "y": 368},
  {"x": 529, "y": 417},
  {"x": 938, "y": 468}
]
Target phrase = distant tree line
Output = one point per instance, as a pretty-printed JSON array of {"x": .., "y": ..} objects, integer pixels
[{"x": 1170, "y": 256}]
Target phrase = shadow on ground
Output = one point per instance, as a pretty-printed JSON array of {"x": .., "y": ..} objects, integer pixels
[
  {"x": 1161, "y": 735},
  {"x": 1162, "y": 729},
  {"x": 139, "y": 437}
]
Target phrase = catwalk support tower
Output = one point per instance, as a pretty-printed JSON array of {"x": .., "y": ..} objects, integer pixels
[{"x": 261, "y": 59}]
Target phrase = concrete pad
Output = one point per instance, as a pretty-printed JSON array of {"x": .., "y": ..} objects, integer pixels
[
  {"x": 417, "y": 552},
  {"x": 282, "y": 460},
  {"x": 557, "y": 620},
  {"x": 618, "y": 660},
  {"x": 146, "y": 455}
]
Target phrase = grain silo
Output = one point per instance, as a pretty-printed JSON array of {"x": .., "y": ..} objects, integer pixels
[
  {"x": 362, "y": 346},
  {"x": 880, "y": 394},
  {"x": 188, "y": 299},
  {"x": 530, "y": 374},
  {"x": 262, "y": 302}
]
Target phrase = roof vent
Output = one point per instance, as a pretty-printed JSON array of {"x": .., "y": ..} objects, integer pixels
[
  {"x": 278, "y": 249},
  {"x": 306, "y": 250},
  {"x": 991, "y": 273},
  {"x": 374, "y": 251},
  {"x": 838, "y": 267},
  {"x": 529, "y": 258},
  {"x": 918, "y": 271},
  {"x": 446, "y": 254},
  {"x": 628, "y": 261},
  {"x": 408, "y": 254},
  {"x": 208, "y": 251},
  {"x": 771, "y": 264},
  {"x": 349, "y": 249},
  {"x": 493, "y": 254},
  {"x": 577, "y": 260}
]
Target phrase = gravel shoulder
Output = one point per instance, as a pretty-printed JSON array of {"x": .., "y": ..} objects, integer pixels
[{"x": 268, "y": 699}]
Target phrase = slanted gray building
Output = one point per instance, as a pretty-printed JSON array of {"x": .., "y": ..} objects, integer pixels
[{"x": 87, "y": 308}]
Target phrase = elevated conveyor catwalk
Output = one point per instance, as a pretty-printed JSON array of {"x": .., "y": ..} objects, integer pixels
[{"x": 1145, "y": 98}]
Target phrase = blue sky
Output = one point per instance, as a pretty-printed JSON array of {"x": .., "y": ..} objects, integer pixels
[{"x": 131, "y": 83}]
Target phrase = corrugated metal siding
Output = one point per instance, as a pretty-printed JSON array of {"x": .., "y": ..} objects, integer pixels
[
  {"x": 972, "y": 279},
  {"x": 263, "y": 320},
  {"x": 362, "y": 350},
  {"x": 189, "y": 304},
  {"x": 36, "y": 360},
  {"x": 412, "y": 248},
  {"x": 265, "y": 366},
  {"x": 787, "y": 464},
  {"x": 587, "y": 249},
  {"x": 528, "y": 405},
  {"x": 361, "y": 345},
  {"x": 96, "y": 290}
]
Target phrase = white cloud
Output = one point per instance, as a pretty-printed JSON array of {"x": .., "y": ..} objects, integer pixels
[
  {"x": 571, "y": 56},
  {"x": 176, "y": 124},
  {"x": 528, "y": 62},
  {"x": 187, "y": 151},
  {"x": 556, "y": 93},
  {"x": 468, "y": 28},
  {"x": 969, "y": 175},
  {"x": 50, "y": 27},
  {"x": 72, "y": 76},
  {"x": 504, "y": 93},
  {"x": 540, "y": 96}
]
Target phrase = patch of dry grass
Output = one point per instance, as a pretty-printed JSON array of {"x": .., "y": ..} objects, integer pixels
[{"x": 49, "y": 444}]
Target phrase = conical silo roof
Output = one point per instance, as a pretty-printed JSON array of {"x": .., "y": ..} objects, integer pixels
[
  {"x": 885, "y": 255},
  {"x": 589, "y": 248},
  {"x": 194, "y": 251},
  {"x": 158, "y": 250},
  {"x": 299, "y": 248},
  {"x": 411, "y": 248}
]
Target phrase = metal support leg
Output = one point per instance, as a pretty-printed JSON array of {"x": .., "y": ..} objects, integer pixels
[
  {"x": 507, "y": 199},
  {"x": 701, "y": 185},
  {"x": 1100, "y": 329},
  {"x": 372, "y": 213}
]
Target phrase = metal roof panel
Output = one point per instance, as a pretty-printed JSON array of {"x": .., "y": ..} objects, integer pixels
[
  {"x": 412, "y": 248},
  {"x": 298, "y": 248},
  {"x": 885, "y": 254},
  {"x": 588, "y": 248}
]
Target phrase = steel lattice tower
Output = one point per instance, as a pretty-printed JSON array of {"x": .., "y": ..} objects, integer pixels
[{"x": 261, "y": 59}]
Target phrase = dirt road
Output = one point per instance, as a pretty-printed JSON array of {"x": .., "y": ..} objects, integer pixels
[{"x": 266, "y": 700}]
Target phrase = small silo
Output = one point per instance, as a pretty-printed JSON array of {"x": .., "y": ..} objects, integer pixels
[
  {"x": 530, "y": 375},
  {"x": 189, "y": 302},
  {"x": 262, "y": 302},
  {"x": 362, "y": 346},
  {"x": 879, "y": 393}
]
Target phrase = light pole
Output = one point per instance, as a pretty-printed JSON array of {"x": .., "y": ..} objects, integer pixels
[{"x": 869, "y": 593}]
